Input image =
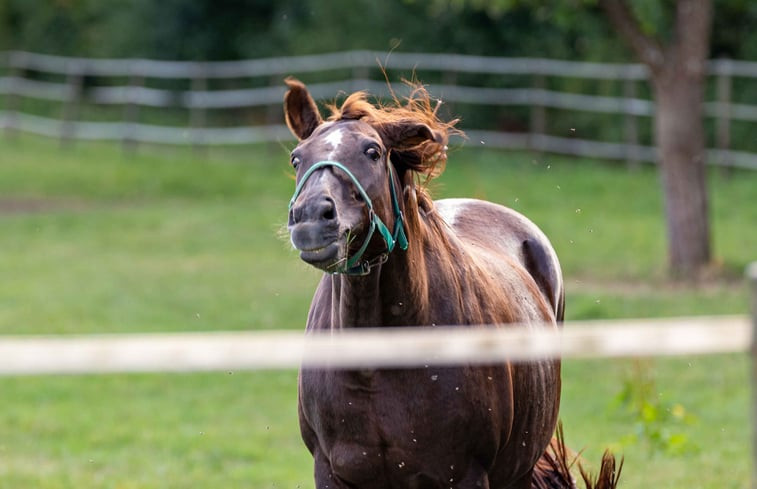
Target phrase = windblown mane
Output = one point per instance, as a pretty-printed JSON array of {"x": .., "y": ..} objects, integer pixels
[{"x": 424, "y": 156}]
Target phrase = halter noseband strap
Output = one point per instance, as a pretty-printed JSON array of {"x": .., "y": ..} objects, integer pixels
[{"x": 354, "y": 266}]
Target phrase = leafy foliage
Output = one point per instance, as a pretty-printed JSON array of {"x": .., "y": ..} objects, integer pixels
[
  {"x": 659, "y": 424},
  {"x": 234, "y": 29}
]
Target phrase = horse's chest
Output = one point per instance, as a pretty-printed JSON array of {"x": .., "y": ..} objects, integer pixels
[{"x": 389, "y": 423}]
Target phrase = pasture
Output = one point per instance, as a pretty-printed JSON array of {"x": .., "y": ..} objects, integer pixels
[{"x": 93, "y": 240}]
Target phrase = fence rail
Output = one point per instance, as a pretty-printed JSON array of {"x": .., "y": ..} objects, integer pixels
[
  {"x": 382, "y": 347},
  {"x": 23, "y": 69},
  {"x": 370, "y": 348}
]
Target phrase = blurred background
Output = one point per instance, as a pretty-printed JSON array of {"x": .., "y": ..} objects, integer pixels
[{"x": 144, "y": 183}]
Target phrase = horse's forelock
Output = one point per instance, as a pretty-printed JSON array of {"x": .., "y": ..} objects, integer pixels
[{"x": 425, "y": 156}]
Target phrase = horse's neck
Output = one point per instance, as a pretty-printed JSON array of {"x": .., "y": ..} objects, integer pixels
[
  {"x": 355, "y": 301},
  {"x": 397, "y": 293}
]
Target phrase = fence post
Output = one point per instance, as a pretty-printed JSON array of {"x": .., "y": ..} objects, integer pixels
[
  {"x": 131, "y": 110},
  {"x": 74, "y": 80},
  {"x": 11, "y": 102},
  {"x": 449, "y": 78},
  {"x": 538, "y": 120},
  {"x": 751, "y": 273},
  {"x": 274, "y": 115},
  {"x": 631, "y": 126},
  {"x": 360, "y": 73},
  {"x": 197, "y": 111},
  {"x": 724, "y": 113}
]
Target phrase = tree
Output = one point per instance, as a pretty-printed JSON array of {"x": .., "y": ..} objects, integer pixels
[
  {"x": 675, "y": 47},
  {"x": 678, "y": 70}
]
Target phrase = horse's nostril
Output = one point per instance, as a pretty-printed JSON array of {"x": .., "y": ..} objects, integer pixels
[{"x": 328, "y": 211}]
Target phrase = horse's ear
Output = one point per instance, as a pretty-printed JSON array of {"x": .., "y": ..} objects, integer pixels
[
  {"x": 402, "y": 135},
  {"x": 300, "y": 111}
]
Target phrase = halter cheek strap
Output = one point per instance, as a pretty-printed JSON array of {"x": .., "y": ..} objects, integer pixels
[{"x": 353, "y": 265}]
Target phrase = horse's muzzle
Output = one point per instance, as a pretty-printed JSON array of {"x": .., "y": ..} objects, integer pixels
[
  {"x": 322, "y": 258},
  {"x": 317, "y": 242},
  {"x": 314, "y": 230}
]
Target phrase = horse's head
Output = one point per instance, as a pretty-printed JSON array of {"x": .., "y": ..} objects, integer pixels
[{"x": 345, "y": 214}]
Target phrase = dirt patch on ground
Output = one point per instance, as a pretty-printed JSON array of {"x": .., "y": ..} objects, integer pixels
[
  {"x": 29, "y": 205},
  {"x": 710, "y": 284}
]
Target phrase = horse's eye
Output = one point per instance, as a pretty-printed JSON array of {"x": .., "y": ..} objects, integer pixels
[
  {"x": 373, "y": 153},
  {"x": 295, "y": 161}
]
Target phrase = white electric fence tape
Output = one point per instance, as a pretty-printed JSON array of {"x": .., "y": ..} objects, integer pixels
[{"x": 369, "y": 348}]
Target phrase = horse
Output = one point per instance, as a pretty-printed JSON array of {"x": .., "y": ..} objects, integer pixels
[{"x": 393, "y": 257}]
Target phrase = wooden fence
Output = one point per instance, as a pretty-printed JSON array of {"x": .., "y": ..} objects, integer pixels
[{"x": 125, "y": 83}]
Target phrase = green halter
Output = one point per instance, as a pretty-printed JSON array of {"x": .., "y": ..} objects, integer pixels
[{"x": 354, "y": 266}]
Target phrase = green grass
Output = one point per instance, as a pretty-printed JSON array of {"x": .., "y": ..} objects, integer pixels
[
  {"x": 152, "y": 431},
  {"x": 93, "y": 240}
]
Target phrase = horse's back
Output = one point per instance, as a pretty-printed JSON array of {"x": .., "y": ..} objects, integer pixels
[{"x": 488, "y": 228}]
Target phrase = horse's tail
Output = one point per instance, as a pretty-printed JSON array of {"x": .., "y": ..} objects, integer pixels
[
  {"x": 609, "y": 473},
  {"x": 552, "y": 470}
]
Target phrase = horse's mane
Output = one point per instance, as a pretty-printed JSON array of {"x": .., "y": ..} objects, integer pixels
[{"x": 424, "y": 156}]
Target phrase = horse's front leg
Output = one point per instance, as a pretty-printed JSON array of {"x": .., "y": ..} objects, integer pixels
[
  {"x": 324, "y": 476},
  {"x": 475, "y": 478}
]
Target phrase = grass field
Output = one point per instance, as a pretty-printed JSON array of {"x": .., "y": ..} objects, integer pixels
[{"x": 93, "y": 240}]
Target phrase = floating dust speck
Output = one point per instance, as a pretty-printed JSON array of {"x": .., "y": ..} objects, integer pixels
[{"x": 434, "y": 377}]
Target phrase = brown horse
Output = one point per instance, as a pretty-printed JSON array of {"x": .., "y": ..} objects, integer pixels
[{"x": 393, "y": 257}]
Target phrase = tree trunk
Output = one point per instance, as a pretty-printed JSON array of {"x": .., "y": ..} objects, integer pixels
[
  {"x": 680, "y": 138},
  {"x": 678, "y": 70}
]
